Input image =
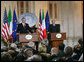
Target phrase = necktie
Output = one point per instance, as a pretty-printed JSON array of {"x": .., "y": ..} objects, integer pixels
[{"x": 24, "y": 26}]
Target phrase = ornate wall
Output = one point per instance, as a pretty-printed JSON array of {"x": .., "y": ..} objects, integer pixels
[{"x": 71, "y": 21}]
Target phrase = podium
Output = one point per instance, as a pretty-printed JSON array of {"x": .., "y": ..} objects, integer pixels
[
  {"x": 24, "y": 41},
  {"x": 54, "y": 38},
  {"x": 57, "y": 38}
]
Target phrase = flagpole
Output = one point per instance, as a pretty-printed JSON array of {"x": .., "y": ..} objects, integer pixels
[{"x": 38, "y": 28}]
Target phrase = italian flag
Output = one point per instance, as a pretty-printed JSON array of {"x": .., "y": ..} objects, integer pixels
[
  {"x": 10, "y": 25},
  {"x": 43, "y": 26}
]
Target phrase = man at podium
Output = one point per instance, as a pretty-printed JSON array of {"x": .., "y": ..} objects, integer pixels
[
  {"x": 23, "y": 27},
  {"x": 54, "y": 28}
]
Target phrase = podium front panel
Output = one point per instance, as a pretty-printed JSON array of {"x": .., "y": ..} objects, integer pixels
[
  {"x": 23, "y": 39},
  {"x": 53, "y": 36}
]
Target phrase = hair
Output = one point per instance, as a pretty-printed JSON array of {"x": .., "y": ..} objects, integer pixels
[
  {"x": 61, "y": 46},
  {"x": 54, "y": 51},
  {"x": 28, "y": 52},
  {"x": 12, "y": 48},
  {"x": 77, "y": 49},
  {"x": 45, "y": 42},
  {"x": 42, "y": 49},
  {"x": 23, "y": 18},
  {"x": 53, "y": 20},
  {"x": 4, "y": 48},
  {"x": 35, "y": 58},
  {"x": 19, "y": 45},
  {"x": 11, "y": 51},
  {"x": 5, "y": 56},
  {"x": 80, "y": 41},
  {"x": 68, "y": 51}
]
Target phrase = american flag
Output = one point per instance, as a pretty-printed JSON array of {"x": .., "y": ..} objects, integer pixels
[
  {"x": 40, "y": 27},
  {"x": 5, "y": 28}
]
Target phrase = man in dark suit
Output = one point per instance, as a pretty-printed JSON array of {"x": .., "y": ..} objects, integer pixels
[
  {"x": 54, "y": 28},
  {"x": 23, "y": 27}
]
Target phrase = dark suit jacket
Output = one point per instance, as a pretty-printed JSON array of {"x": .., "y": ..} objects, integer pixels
[
  {"x": 61, "y": 53},
  {"x": 21, "y": 29},
  {"x": 54, "y": 29}
]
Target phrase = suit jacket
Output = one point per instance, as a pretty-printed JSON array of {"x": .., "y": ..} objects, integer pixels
[
  {"x": 61, "y": 53},
  {"x": 21, "y": 29},
  {"x": 54, "y": 29}
]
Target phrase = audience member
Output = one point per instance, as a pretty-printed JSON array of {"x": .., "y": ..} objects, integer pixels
[
  {"x": 80, "y": 43},
  {"x": 4, "y": 48},
  {"x": 12, "y": 52},
  {"x": 5, "y": 56},
  {"x": 76, "y": 52},
  {"x": 61, "y": 50},
  {"x": 68, "y": 53},
  {"x": 28, "y": 52},
  {"x": 20, "y": 56},
  {"x": 54, "y": 53},
  {"x": 42, "y": 48}
]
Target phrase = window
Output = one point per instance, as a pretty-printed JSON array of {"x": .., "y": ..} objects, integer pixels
[
  {"x": 22, "y": 7},
  {"x": 53, "y": 10},
  {"x": 50, "y": 10},
  {"x": 27, "y": 7}
]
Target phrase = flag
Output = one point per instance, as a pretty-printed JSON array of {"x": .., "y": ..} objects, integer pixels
[
  {"x": 40, "y": 29},
  {"x": 43, "y": 26},
  {"x": 10, "y": 24},
  {"x": 14, "y": 27},
  {"x": 9, "y": 17},
  {"x": 5, "y": 28},
  {"x": 47, "y": 21}
]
